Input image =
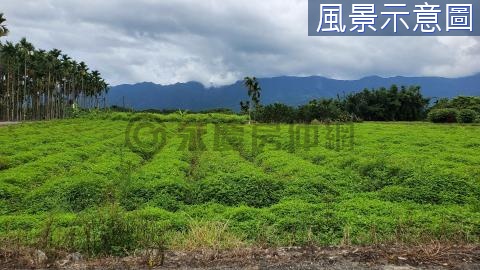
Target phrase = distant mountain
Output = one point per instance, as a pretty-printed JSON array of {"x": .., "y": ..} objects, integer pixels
[{"x": 290, "y": 90}]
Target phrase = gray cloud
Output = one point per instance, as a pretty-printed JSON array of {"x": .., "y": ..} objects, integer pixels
[{"x": 220, "y": 41}]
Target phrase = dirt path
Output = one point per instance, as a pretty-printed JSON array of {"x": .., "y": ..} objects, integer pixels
[
  {"x": 428, "y": 257},
  {"x": 381, "y": 258}
]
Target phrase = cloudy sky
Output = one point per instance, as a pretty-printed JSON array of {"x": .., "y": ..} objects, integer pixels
[{"x": 220, "y": 41}]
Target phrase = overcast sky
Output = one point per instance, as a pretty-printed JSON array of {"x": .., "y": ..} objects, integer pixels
[{"x": 220, "y": 41}]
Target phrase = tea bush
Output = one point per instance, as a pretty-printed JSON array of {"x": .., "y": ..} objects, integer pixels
[
  {"x": 425, "y": 189},
  {"x": 85, "y": 192},
  {"x": 239, "y": 188},
  {"x": 77, "y": 185},
  {"x": 175, "y": 117},
  {"x": 165, "y": 194}
]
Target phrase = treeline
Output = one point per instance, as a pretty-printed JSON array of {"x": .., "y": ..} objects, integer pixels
[
  {"x": 460, "y": 109},
  {"x": 37, "y": 84},
  {"x": 393, "y": 104},
  {"x": 116, "y": 108}
]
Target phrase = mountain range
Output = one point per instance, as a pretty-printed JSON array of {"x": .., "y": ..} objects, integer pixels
[{"x": 286, "y": 89}]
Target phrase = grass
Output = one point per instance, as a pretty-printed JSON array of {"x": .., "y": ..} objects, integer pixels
[
  {"x": 211, "y": 235},
  {"x": 75, "y": 185}
]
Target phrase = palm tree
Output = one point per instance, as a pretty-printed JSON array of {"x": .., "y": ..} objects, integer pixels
[
  {"x": 254, "y": 89},
  {"x": 244, "y": 106},
  {"x": 96, "y": 85},
  {"x": 35, "y": 84},
  {"x": 83, "y": 69},
  {"x": 8, "y": 57},
  {"x": 38, "y": 71},
  {"x": 3, "y": 27},
  {"x": 26, "y": 49}
]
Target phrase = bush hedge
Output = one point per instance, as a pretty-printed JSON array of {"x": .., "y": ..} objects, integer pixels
[
  {"x": 443, "y": 115},
  {"x": 467, "y": 116}
]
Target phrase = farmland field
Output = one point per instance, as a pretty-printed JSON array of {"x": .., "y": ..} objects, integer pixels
[{"x": 105, "y": 185}]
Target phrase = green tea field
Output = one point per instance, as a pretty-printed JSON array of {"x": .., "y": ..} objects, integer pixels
[{"x": 105, "y": 185}]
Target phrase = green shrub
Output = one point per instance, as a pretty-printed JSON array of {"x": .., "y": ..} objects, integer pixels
[
  {"x": 19, "y": 222},
  {"x": 378, "y": 173},
  {"x": 443, "y": 115},
  {"x": 248, "y": 221},
  {"x": 9, "y": 192},
  {"x": 175, "y": 117},
  {"x": 297, "y": 223},
  {"x": 135, "y": 196},
  {"x": 403, "y": 183},
  {"x": 85, "y": 192},
  {"x": 10, "y": 197},
  {"x": 4, "y": 163},
  {"x": 45, "y": 198},
  {"x": 106, "y": 231},
  {"x": 75, "y": 193},
  {"x": 239, "y": 188},
  {"x": 313, "y": 190},
  {"x": 166, "y": 194},
  {"x": 426, "y": 189},
  {"x": 467, "y": 116}
]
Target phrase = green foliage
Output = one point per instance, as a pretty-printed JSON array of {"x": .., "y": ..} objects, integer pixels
[
  {"x": 311, "y": 190},
  {"x": 404, "y": 104},
  {"x": 239, "y": 188},
  {"x": 84, "y": 193},
  {"x": 377, "y": 174},
  {"x": 467, "y": 116},
  {"x": 459, "y": 109},
  {"x": 106, "y": 231},
  {"x": 443, "y": 115},
  {"x": 459, "y": 103},
  {"x": 393, "y": 104},
  {"x": 302, "y": 222},
  {"x": 74, "y": 186},
  {"x": 68, "y": 194},
  {"x": 426, "y": 189},
  {"x": 4, "y": 163},
  {"x": 253, "y": 90},
  {"x": 321, "y": 109},
  {"x": 184, "y": 117},
  {"x": 3, "y": 28},
  {"x": 10, "y": 197},
  {"x": 276, "y": 113},
  {"x": 50, "y": 74},
  {"x": 165, "y": 194}
]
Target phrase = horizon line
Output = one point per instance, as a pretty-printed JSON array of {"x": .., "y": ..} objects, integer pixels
[{"x": 293, "y": 76}]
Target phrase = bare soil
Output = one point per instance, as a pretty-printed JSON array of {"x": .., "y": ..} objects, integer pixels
[{"x": 432, "y": 256}]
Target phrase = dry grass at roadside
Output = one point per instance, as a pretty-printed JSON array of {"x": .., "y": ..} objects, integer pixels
[{"x": 213, "y": 236}]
